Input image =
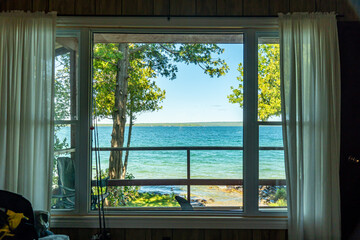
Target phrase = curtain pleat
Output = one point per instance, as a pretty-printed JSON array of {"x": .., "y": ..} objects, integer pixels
[
  {"x": 27, "y": 43},
  {"x": 310, "y": 74}
]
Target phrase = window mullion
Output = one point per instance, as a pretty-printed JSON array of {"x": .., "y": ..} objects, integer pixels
[{"x": 251, "y": 159}]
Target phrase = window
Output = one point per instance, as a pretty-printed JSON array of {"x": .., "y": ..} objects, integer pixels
[
  {"x": 186, "y": 149},
  {"x": 233, "y": 168},
  {"x": 272, "y": 184},
  {"x": 66, "y": 123}
]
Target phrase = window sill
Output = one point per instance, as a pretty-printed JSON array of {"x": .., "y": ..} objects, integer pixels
[{"x": 172, "y": 222}]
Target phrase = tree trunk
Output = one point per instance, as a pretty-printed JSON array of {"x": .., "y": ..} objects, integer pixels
[
  {"x": 116, "y": 166},
  {"x": 128, "y": 145}
]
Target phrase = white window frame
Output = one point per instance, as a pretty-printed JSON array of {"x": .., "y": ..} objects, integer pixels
[{"x": 251, "y": 217}]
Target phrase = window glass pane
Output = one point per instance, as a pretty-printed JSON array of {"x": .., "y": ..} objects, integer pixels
[
  {"x": 65, "y": 116},
  {"x": 272, "y": 189},
  {"x": 214, "y": 164},
  {"x": 271, "y": 164},
  {"x": 272, "y": 196},
  {"x": 135, "y": 197},
  {"x": 66, "y": 78},
  {"x": 64, "y": 136},
  {"x": 228, "y": 197},
  {"x": 270, "y": 136},
  {"x": 147, "y": 164},
  {"x": 269, "y": 100},
  {"x": 168, "y": 91},
  {"x": 272, "y": 186},
  {"x": 63, "y": 185}
]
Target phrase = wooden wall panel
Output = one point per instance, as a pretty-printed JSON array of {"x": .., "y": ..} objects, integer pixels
[
  {"x": 138, "y": 7},
  {"x": 117, "y": 233},
  {"x": 212, "y": 234},
  {"x": 40, "y": 5},
  {"x": 188, "y": 234},
  {"x": 269, "y": 234},
  {"x": 62, "y": 7},
  {"x": 137, "y": 234},
  {"x": 9, "y": 5},
  {"x": 182, "y": 7},
  {"x": 326, "y": 5},
  {"x": 22, "y": 5},
  {"x": 161, "y": 7},
  {"x": 160, "y": 234},
  {"x": 302, "y": 6},
  {"x": 177, "y": 234},
  {"x": 108, "y": 7},
  {"x": 76, "y": 233},
  {"x": 2, "y": 5},
  {"x": 230, "y": 7},
  {"x": 278, "y": 6},
  {"x": 236, "y": 234},
  {"x": 256, "y": 7},
  {"x": 205, "y": 7},
  {"x": 85, "y": 7}
]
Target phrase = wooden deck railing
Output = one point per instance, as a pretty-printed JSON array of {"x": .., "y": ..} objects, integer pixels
[{"x": 188, "y": 181}]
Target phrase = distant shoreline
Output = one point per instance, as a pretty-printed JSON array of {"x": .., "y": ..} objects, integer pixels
[{"x": 189, "y": 124}]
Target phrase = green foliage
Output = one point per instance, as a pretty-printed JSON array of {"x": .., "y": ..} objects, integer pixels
[
  {"x": 146, "y": 62},
  {"x": 62, "y": 100},
  {"x": 143, "y": 93},
  {"x": 62, "y": 87},
  {"x": 269, "y": 100},
  {"x": 279, "y": 203},
  {"x": 129, "y": 196},
  {"x": 106, "y": 57},
  {"x": 280, "y": 194},
  {"x": 273, "y": 194},
  {"x": 119, "y": 196},
  {"x": 154, "y": 200}
]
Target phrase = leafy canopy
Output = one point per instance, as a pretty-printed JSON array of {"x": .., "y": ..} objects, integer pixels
[
  {"x": 146, "y": 62},
  {"x": 269, "y": 100}
]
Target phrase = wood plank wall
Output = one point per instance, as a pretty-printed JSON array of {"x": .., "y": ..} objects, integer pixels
[
  {"x": 177, "y": 234},
  {"x": 182, "y": 7}
]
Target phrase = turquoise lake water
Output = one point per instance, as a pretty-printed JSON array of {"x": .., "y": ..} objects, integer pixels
[{"x": 204, "y": 164}]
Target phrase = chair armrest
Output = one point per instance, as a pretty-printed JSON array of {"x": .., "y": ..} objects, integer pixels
[
  {"x": 66, "y": 188},
  {"x": 41, "y": 223}
]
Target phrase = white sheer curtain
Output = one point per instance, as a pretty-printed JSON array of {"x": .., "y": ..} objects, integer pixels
[
  {"x": 26, "y": 82},
  {"x": 311, "y": 112}
]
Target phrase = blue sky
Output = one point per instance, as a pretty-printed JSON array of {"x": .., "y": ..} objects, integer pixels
[{"x": 195, "y": 97}]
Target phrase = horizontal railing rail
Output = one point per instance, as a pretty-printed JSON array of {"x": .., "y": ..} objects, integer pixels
[
  {"x": 64, "y": 151},
  {"x": 199, "y": 182},
  {"x": 198, "y": 148}
]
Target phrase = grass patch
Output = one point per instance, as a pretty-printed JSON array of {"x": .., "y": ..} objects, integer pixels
[{"x": 153, "y": 200}]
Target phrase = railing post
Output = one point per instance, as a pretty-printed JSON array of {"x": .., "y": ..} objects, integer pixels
[{"x": 188, "y": 173}]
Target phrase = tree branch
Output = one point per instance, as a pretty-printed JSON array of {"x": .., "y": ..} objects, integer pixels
[
  {"x": 103, "y": 59},
  {"x": 138, "y": 49},
  {"x": 169, "y": 50}
]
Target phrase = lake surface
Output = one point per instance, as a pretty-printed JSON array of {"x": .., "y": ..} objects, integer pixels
[{"x": 204, "y": 164}]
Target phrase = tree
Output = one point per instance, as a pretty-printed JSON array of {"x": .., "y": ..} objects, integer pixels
[
  {"x": 116, "y": 66},
  {"x": 143, "y": 96},
  {"x": 269, "y": 100}
]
